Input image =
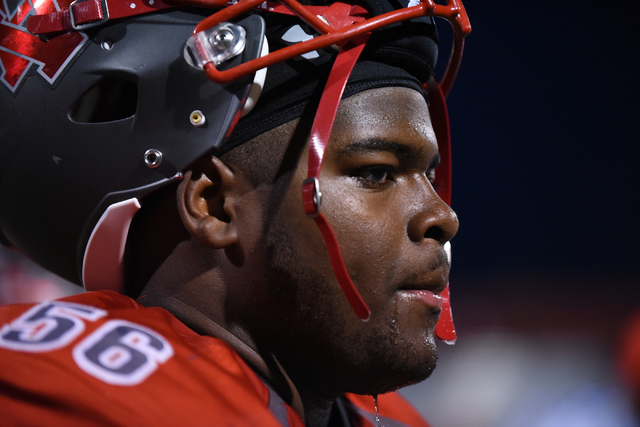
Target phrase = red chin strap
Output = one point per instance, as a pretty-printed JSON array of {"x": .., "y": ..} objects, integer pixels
[
  {"x": 319, "y": 138},
  {"x": 445, "y": 329},
  {"x": 320, "y": 132}
]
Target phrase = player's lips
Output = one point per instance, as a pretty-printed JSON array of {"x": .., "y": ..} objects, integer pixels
[
  {"x": 435, "y": 286},
  {"x": 428, "y": 292},
  {"x": 428, "y": 298},
  {"x": 427, "y": 288}
]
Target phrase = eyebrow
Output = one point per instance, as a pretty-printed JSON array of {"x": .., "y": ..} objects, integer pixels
[{"x": 376, "y": 145}]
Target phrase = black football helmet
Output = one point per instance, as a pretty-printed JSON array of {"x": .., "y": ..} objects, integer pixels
[{"x": 104, "y": 101}]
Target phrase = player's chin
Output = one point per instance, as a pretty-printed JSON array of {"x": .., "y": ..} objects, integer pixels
[{"x": 411, "y": 365}]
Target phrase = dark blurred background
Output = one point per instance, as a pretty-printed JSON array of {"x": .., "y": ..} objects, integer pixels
[
  {"x": 545, "y": 125},
  {"x": 546, "y": 142},
  {"x": 546, "y": 145}
]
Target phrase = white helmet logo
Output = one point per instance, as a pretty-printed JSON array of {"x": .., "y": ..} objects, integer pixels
[{"x": 296, "y": 34}]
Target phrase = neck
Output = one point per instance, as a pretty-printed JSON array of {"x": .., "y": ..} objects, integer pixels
[{"x": 199, "y": 302}]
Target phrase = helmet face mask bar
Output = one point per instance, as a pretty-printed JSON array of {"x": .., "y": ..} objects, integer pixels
[
  {"x": 347, "y": 26},
  {"x": 337, "y": 24}
]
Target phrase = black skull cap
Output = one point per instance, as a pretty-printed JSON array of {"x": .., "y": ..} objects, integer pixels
[{"x": 402, "y": 54}]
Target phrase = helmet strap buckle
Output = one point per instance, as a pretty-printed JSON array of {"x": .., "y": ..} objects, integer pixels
[{"x": 95, "y": 9}]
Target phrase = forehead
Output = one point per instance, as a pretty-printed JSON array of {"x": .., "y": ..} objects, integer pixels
[{"x": 393, "y": 113}]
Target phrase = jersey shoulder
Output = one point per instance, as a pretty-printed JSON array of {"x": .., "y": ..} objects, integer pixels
[{"x": 102, "y": 356}]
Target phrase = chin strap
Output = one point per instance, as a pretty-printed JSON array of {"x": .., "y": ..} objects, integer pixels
[
  {"x": 83, "y": 14},
  {"x": 445, "y": 329},
  {"x": 320, "y": 132}
]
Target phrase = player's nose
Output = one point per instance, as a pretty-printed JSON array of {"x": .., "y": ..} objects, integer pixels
[{"x": 432, "y": 218}]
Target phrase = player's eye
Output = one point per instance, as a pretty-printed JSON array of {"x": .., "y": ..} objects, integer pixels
[
  {"x": 431, "y": 175},
  {"x": 376, "y": 175}
]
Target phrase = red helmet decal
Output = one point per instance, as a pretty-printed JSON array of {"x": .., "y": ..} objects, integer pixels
[{"x": 19, "y": 49}]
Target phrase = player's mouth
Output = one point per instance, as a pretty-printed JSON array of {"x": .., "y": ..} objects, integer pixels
[
  {"x": 427, "y": 288},
  {"x": 430, "y": 298}
]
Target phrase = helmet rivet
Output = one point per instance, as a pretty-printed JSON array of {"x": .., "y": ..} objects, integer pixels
[
  {"x": 107, "y": 45},
  {"x": 153, "y": 158},
  {"x": 197, "y": 118},
  {"x": 223, "y": 39}
]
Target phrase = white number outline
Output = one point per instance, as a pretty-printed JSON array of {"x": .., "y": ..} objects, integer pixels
[
  {"x": 25, "y": 324},
  {"x": 154, "y": 356}
]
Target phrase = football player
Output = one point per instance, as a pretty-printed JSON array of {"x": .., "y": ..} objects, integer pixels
[{"x": 256, "y": 195}]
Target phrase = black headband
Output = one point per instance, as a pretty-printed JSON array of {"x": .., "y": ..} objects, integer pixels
[{"x": 400, "y": 55}]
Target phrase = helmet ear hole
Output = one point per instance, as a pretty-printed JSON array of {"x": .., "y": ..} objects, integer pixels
[{"x": 108, "y": 100}]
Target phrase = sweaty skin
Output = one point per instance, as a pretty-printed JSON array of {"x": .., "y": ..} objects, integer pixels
[{"x": 256, "y": 272}]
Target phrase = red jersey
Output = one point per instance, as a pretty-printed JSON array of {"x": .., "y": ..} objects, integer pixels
[{"x": 100, "y": 358}]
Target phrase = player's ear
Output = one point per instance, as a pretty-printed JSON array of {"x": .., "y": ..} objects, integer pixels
[{"x": 206, "y": 198}]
